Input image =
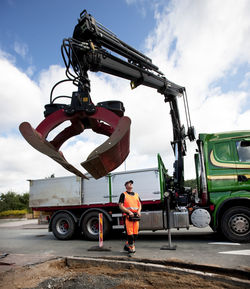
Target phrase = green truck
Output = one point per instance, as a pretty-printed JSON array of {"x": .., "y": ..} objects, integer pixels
[
  {"x": 223, "y": 182},
  {"x": 222, "y": 159},
  {"x": 220, "y": 200}
]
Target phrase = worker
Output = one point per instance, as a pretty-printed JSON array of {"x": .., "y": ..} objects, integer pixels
[{"x": 130, "y": 205}]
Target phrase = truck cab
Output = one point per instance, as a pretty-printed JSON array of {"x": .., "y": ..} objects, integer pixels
[{"x": 223, "y": 181}]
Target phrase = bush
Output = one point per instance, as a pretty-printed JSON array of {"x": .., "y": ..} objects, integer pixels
[{"x": 13, "y": 213}]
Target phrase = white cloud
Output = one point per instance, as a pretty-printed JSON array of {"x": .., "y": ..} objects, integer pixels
[
  {"x": 19, "y": 95},
  {"x": 194, "y": 43},
  {"x": 210, "y": 40},
  {"x": 8, "y": 57},
  {"x": 19, "y": 162},
  {"x": 21, "y": 49},
  {"x": 245, "y": 83},
  {"x": 48, "y": 78},
  {"x": 220, "y": 112},
  {"x": 142, "y": 5},
  {"x": 30, "y": 70}
]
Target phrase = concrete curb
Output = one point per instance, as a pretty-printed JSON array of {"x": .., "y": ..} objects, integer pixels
[
  {"x": 239, "y": 279},
  {"x": 239, "y": 273}
]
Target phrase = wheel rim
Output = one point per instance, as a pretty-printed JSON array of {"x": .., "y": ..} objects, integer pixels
[
  {"x": 239, "y": 224},
  {"x": 62, "y": 227},
  {"x": 93, "y": 226}
]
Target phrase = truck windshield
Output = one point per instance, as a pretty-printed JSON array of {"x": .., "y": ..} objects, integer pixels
[{"x": 243, "y": 149}]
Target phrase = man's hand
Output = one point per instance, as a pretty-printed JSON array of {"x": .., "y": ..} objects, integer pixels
[{"x": 131, "y": 214}]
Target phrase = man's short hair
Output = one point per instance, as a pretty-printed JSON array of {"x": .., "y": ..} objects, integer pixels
[{"x": 127, "y": 182}]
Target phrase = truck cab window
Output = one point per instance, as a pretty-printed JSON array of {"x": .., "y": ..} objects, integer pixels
[
  {"x": 243, "y": 149},
  {"x": 223, "y": 152}
]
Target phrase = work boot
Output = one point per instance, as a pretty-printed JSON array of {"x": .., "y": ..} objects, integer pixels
[
  {"x": 131, "y": 249},
  {"x": 126, "y": 247}
]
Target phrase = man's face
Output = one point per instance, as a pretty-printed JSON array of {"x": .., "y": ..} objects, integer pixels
[{"x": 129, "y": 186}]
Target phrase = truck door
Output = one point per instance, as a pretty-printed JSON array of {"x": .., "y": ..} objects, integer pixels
[
  {"x": 222, "y": 172},
  {"x": 243, "y": 163}
]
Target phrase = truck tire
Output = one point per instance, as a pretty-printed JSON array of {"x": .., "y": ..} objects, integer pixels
[
  {"x": 63, "y": 226},
  {"x": 235, "y": 224},
  {"x": 90, "y": 226}
]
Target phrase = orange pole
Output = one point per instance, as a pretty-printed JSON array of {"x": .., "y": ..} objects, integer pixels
[{"x": 100, "y": 230}]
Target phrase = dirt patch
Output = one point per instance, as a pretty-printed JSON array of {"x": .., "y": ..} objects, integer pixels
[{"x": 56, "y": 274}]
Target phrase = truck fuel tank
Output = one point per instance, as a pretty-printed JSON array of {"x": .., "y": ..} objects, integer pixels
[{"x": 180, "y": 218}]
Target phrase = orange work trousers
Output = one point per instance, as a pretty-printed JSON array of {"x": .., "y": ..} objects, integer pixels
[{"x": 132, "y": 227}]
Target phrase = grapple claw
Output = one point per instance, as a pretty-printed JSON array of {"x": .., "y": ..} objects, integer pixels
[
  {"x": 103, "y": 159},
  {"x": 35, "y": 139},
  {"x": 111, "y": 153}
]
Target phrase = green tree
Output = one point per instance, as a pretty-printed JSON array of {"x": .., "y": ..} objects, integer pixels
[
  {"x": 190, "y": 183},
  {"x": 24, "y": 199},
  {"x": 13, "y": 201}
]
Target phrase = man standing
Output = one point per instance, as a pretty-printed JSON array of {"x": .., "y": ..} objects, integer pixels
[{"x": 130, "y": 205}]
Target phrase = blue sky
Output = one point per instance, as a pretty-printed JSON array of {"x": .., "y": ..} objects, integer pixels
[
  {"x": 40, "y": 26},
  {"x": 202, "y": 45}
]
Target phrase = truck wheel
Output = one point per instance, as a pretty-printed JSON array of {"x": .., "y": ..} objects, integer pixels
[
  {"x": 90, "y": 226},
  {"x": 235, "y": 224},
  {"x": 63, "y": 226}
]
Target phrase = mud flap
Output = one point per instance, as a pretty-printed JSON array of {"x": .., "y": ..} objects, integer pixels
[{"x": 111, "y": 153}]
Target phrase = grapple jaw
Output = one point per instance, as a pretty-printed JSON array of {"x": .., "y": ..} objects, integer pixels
[
  {"x": 111, "y": 153},
  {"x": 105, "y": 118}
]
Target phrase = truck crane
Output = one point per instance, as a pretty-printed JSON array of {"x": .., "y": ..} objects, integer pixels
[
  {"x": 90, "y": 49},
  {"x": 222, "y": 160}
]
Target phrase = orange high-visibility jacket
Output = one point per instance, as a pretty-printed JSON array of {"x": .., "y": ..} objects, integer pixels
[{"x": 131, "y": 203}]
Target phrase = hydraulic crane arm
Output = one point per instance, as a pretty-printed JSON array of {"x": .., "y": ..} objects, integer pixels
[
  {"x": 92, "y": 45},
  {"x": 94, "y": 48}
]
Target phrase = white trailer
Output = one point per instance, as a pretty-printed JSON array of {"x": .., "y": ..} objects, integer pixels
[{"x": 74, "y": 203}]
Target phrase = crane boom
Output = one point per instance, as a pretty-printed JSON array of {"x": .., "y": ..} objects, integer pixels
[{"x": 95, "y": 48}]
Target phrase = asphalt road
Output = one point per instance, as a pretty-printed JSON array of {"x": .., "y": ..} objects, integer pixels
[{"x": 26, "y": 238}]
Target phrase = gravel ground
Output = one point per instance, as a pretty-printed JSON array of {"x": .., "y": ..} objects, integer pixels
[
  {"x": 83, "y": 281},
  {"x": 55, "y": 274}
]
